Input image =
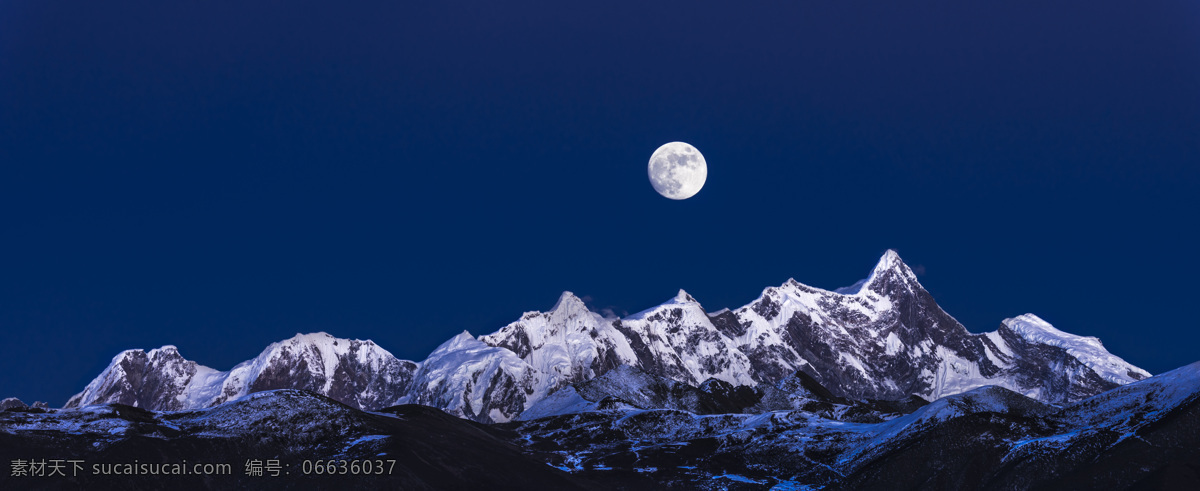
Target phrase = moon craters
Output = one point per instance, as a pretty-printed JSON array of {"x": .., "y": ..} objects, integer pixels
[{"x": 677, "y": 170}]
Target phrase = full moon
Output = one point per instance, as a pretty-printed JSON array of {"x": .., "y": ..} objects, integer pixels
[{"x": 677, "y": 170}]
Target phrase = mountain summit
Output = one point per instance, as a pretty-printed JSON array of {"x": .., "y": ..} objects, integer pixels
[{"x": 882, "y": 339}]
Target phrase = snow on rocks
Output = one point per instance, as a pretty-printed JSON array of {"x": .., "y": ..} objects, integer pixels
[
  {"x": 884, "y": 338},
  {"x": 358, "y": 373}
]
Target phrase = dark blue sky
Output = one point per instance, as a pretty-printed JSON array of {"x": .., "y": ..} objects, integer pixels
[{"x": 222, "y": 175}]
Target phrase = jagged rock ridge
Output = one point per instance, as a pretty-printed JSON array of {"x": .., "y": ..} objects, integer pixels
[{"x": 882, "y": 339}]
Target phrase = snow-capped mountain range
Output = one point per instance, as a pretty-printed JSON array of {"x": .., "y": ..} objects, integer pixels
[
  {"x": 882, "y": 339},
  {"x": 357, "y": 373}
]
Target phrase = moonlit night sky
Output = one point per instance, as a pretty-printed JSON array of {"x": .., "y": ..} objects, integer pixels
[{"x": 222, "y": 175}]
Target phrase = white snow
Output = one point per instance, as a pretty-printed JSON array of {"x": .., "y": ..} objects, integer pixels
[
  {"x": 365, "y": 439},
  {"x": 683, "y": 339},
  {"x": 564, "y": 343},
  {"x": 892, "y": 344},
  {"x": 460, "y": 374},
  {"x": 738, "y": 478},
  {"x": 1087, "y": 350},
  {"x": 206, "y": 387},
  {"x": 1120, "y": 406},
  {"x": 565, "y": 401},
  {"x": 793, "y": 486},
  {"x": 851, "y": 360}
]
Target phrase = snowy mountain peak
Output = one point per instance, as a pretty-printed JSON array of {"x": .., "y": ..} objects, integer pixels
[
  {"x": 568, "y": 302},
  {"x": 890, "y": 266},
  {"x": 141, "y": 379},
  {"x": 324, "y": 350},
  {"x": 540, "y": 353},
  {"x": 683, "y": 297},
  {"x": 1034, "y": 328},
  {"x": 312, "y": 337},
  {"x": 127, "y": 354},
  {"x": 463, "y": 340},
  {"x": 890, "y": 259},
  {"x": 472, "y": 379},
  {"x": 165, "y": 354},
  {"x": 679, "y": 341},
  {"x": 1088, "y": 350}
]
